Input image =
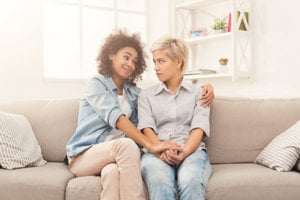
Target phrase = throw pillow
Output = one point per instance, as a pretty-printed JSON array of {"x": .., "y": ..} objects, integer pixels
[
  {"x": 18, "y": 145},
  {"x": 282, "y": 152},
  {"x": 297, "y": 166}
]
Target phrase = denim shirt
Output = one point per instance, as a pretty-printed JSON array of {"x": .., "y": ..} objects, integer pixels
[{"x": 98, "y": 112}]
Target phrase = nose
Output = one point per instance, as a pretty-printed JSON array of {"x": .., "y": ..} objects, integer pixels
[{"x": 156, "y": 68}]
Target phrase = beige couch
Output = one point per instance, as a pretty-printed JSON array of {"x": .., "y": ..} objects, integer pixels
[{"x": 240, "y": 129}]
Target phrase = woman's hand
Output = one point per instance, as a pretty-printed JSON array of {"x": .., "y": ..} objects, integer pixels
[
  {"x": 207, "y": 95},
  {"x": 173, "y": 157},
  {"x": 164, "y": 145}
]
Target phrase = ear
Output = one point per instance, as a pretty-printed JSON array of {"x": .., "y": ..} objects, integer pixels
[{"x": 179, "y": 63}]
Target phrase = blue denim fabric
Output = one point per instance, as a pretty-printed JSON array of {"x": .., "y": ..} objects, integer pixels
[
  {"x": 98, "y": 112},
  {"x": 192, "y": 177}
]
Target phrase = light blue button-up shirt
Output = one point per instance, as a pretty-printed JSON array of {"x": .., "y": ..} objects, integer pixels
[
  {"x": 173, "y": 116},
  {"x": 98, "y": 112}
]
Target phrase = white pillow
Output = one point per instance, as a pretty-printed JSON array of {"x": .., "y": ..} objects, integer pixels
[
  {"x": 282, "y": 153},
  {"x": 18, "y": 145}
]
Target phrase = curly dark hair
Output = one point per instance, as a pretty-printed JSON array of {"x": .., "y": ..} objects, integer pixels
[{"x": 112, "y": 44}]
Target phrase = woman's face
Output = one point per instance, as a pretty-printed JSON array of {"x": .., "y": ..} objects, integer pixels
[
  {"x": 165, "y": 67},
  {"x": 124, "y": 62}
]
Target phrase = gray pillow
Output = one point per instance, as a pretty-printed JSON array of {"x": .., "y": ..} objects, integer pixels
[
  {"x": 282, "y": 153},
  {"x": 297, "y": 166},
  {"x": 18, "y": 145}
]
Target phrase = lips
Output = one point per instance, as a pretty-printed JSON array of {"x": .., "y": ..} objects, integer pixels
[{"x": 127, "y": 69}]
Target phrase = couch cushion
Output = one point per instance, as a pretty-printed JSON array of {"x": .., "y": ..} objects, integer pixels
[
  {"x": 282, "y": 153},
  {"x": 35, "y": 183},
  {"x": 242, "y": 127},
  {"x": 18, "y": 145},
  {"x": 52, "y": 121},
  {"x": 252, "y": 181},
  {"x": 82, "y": 188}
]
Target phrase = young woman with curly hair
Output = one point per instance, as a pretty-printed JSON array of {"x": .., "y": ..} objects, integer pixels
[{"x": 104, "y": 141}]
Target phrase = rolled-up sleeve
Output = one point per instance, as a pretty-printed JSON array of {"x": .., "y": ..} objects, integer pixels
[
  {"x": 201, "y": 118},
  {"x": 144, "y": 112},
  {"x": 101, "y": 99}
]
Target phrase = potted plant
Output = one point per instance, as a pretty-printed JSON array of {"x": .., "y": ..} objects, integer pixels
[
  {"x": 223, "y": 65},
  {"x": 220, "y": 25},
  {"x": 223, "y": 61}
]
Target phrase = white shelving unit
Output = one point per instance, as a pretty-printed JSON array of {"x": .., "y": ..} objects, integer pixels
[{"x": 207, "y": 49}]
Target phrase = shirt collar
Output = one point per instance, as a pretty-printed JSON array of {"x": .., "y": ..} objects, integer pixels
[
  {"x": 126, "y": 86},
  {"x": 183, "y": 85}
]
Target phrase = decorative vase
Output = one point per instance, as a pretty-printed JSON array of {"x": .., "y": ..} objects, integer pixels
[
  {"x": 218, "y": 31},
  {"x": 223, "y": 69}
]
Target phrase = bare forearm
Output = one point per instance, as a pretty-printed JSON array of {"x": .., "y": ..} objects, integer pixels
[
  {"x": 193, "y": 142},
  {"x": 149, "y": 133},
  {"x": 132, "y": 132}
]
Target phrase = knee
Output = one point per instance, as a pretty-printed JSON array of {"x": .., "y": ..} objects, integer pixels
[
  {"x": 127, "y": 146},
  {"x": 192, "y": 182},
  {"x": 110, "y": 170},
  {"x": 156, "y": 171},
  {"x": 187, "y": 178}
]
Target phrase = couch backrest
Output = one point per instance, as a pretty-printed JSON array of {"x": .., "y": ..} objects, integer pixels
[
  {"x": 52, "y": 121},
  {"x": 242, "y": 127}
]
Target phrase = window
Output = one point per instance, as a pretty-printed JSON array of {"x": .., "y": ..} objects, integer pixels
[{"x": 74, "y": 30}]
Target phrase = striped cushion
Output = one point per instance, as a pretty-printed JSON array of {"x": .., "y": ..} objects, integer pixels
[
  {"x": 18, "y": 145},
  {"x": 297, "y": 167},
  {"x": 282, "y": 153}
]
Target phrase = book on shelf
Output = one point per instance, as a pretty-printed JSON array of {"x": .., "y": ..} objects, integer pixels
[{"x": 200, "y": 72}]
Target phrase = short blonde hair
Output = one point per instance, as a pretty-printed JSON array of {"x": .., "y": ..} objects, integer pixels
[{"x": 174, "y": 47}]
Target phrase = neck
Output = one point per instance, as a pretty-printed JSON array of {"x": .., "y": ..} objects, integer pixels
[
  {"x": 173, "y": 84},
  {"x": 119, "y": 84}
]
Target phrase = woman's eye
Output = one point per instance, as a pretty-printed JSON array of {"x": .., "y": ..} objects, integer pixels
[{"x": 126, "y": 57}]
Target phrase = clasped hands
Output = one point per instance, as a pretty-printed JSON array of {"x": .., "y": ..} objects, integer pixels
[{"x": 174, "y": 155}]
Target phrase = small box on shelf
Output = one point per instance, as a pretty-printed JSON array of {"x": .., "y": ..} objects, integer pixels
[{"x": 196, "y": 32}]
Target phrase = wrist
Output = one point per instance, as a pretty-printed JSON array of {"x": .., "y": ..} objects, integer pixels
[{"x": 148, "y": 145}]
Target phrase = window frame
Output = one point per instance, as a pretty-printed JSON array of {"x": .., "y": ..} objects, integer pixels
[{"x": 80, "y": 5}]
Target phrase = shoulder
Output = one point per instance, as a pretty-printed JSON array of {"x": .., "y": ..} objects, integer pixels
[
  {"x": 195, "y": 89},
  {"x": 98, "y": 83},
  {"x": 151, "y": 90},
  {"x": 96, "y": 78},
  {"x": 100, "y": 78}
]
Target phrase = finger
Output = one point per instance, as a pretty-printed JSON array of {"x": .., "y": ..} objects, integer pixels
[
  {"x": 176, "y": 148},
  {"x": 175, "y": 159},
  {"x": 166, "y": 159},
  {"x": 205, "y": 103},
  {"x": 162, "y": 157},
  {"x": 204, "y": 91}
]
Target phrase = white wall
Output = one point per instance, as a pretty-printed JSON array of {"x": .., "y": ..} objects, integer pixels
[
  {"x": 276, "y": 44},
  {"x": 21, "y": 72}
]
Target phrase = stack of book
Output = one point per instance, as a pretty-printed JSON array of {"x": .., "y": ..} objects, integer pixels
[{"x": 200, "y": 72}]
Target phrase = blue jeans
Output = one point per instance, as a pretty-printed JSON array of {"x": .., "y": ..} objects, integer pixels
[{"x": 192, "y": 177}]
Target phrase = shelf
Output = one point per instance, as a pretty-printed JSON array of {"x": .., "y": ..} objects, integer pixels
[
  {"x": 204, "y": 76},
  {"x": 207, "y": 49},
  {"x": 199, "y": 39},
  {"x": 198, "y": 3}
]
